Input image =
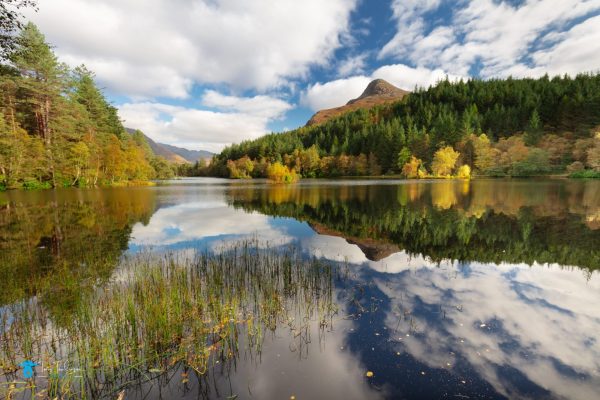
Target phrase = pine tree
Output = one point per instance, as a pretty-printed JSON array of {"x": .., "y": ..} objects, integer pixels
[
  {"x": 534, "y": 130},
  {"x": 42, "y": 81},
  {"x": 57, "y": 127}
]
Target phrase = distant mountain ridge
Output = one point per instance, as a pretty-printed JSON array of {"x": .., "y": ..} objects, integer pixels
[
  {"x": 175, "y": 154},
  {"x": 377, "y": 92},
  {"x": 189, "y": 155}
]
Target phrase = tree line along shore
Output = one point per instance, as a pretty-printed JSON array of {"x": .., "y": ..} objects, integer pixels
[{"x": 57, "y": 130}]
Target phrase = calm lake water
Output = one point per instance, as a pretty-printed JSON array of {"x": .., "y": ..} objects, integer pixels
[{"x": 450, "y": 289}]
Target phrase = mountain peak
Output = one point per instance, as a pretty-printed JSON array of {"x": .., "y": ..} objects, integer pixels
[
  {"x": 380, "y": 88},
  {"x": 377, "y": 92}
]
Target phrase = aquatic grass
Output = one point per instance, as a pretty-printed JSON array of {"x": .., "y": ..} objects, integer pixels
[{"x": 165, "y": 312}]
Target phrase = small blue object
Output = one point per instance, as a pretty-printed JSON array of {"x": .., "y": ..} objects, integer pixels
[{"x": 28, "y": 368}]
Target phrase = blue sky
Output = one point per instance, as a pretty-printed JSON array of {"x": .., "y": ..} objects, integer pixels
[{"x": 206, "y": 73}]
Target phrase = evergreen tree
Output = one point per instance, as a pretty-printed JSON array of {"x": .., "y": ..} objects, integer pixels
[
  {"x": 57, "y": 128},
  {"x": 452, "y": 114},
  {"x": 534, "y": 131},
  {"x": 42, "y": 81}
]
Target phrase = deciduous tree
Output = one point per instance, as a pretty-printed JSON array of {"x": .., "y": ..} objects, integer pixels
[{"x": 444, "y": 161}]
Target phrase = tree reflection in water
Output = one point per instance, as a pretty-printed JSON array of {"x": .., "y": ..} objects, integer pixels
[{"x": 483, "y": 288}]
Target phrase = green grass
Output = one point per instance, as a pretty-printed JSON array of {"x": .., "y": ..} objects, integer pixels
[
  {"x": 586, "y": 174},
  {"x": 36, "y": 185},
  {"x": 167, "y": 312}
]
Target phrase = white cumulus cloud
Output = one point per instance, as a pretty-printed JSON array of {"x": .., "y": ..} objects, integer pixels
[
  {"x": 338, "y": 92},
  {"x": 498, "y": 38},
  {"x": 158, "y": 47},
  {"x": 263, "y": 106},
  {"x": 352, "y": 65},
  {"x": 333, "y": 94},
  {"x": 237, "y": 119}
]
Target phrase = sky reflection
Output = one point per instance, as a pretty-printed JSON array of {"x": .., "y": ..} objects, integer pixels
[{"x": 425, "y": 328}]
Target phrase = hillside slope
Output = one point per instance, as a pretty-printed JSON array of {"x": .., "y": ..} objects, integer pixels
[
  {"x": 378, "y": 92},
  {"x": 498, "y": 127},
  {"x": 190, "y": 155},
  {"x": 175, "y": 154}
]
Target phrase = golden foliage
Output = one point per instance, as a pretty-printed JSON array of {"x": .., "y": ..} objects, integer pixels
[
  {"x": 279, "y": 173},
  {"x": 412, "y": 167},
  {"x": 241, "y": 168},
  {"x": 444, "y": 161},
  {"x": 464, "y": 172},
  {"x": 485, "y": 155}
]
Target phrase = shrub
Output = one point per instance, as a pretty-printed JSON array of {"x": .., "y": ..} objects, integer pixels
[
  {"x": 35, "y": 185},
  {"x": 496, "y": 171},
  {"x": 536, "y": 163},
  {"x": 464, "y": 172},
  {"x": 587, "y": 174},
  {"x": 279, "y": 173},
  {"x": 575, "y": 167},
  {"x": 411, "y": 168}
]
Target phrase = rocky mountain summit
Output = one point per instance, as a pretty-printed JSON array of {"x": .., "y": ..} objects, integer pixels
[
  {"x": 381, "y": 89},
  {"x": 377, "y": 92}
]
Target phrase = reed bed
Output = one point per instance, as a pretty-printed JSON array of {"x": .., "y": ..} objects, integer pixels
[{"x": 164, "y": 312}]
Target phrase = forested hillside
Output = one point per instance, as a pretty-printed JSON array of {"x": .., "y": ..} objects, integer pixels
[
  {"x": 57, "y": 129},
  {"x": 515, "y": 127}
]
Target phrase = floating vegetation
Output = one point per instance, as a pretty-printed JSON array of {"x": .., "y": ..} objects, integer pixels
[{"x": 161, "y": 314}]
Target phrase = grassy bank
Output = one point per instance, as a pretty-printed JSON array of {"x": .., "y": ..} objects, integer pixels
[
  {"x": 587, "y": 174},
  {"x": 35, "y": 185}
]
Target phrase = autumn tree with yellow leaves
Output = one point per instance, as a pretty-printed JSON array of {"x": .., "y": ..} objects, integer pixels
[
  {"x": 444, "y": 161},
  {"x": 57, "y": 129}
]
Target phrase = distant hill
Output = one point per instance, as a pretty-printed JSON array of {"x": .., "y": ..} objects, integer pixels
[
  {"x": 377, "y": 92},
  {"x": 496, "y": 127},
  {"x": 175, "y": 154},
  {"x": 189, "y": 155}
]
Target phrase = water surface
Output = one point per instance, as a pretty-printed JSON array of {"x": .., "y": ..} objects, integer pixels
[{"x": 452, "y": 289}]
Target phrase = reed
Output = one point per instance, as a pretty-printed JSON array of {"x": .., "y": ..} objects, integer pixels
[{"x": 162, "y": 312}]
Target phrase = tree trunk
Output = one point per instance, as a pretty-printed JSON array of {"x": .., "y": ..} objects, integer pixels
[
  {"x": 43, "y": 119},
  {"x": 77, "y": 176},
  {"x": 12, "y": 115}
]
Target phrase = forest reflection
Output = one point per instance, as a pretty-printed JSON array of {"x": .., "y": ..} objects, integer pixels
[
  {"x": 55, "y": 244},
  {"x": 514, "y": 221},
  {"x": 447, "y": 296}
]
